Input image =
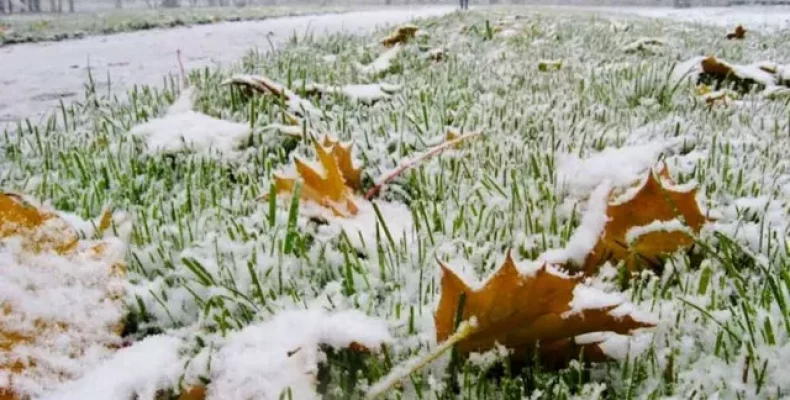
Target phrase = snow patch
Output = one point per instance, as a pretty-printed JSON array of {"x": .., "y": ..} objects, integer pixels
[{"x": 138, "y": 371}]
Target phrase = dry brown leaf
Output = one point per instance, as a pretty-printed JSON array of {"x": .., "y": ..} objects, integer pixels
[
  {"x": 196, "y": 392},
  {"x": 652, "y": 202},
  {"x": 323, "y": 184},
  {"x": 401, "y": 35},
  {"x": 739, "y": 33},
  {"x": 518, "y": 311},
  {"x": 720, "y": 70}
]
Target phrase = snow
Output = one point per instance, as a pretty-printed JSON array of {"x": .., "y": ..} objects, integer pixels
[
  {"x": 589, "y": 298},
  {"x": 65, "y": 341},
  {"x": 637, "y": 232},
  {"x": 263, "y": 360},
  {"x": 138, "y": 371},
  {"x": 754, "y": 17},
  {"x": 382, "y": 63},
  {"x": 586, "y": 234},
  {"x": 361, "y": 229},
  {"x": 181, "y": 128},
  {"x": 621, "y": 166},
  {"x": 44, "y": 73}
]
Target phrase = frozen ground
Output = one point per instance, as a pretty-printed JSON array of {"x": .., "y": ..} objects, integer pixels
[
  {"x": 36, "y": 76},
  {"x": 755, "y": 17}
]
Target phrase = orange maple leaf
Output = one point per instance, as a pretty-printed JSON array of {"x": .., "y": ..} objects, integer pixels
[
  {"x": 739, "y": 33},
  {"x": 323, "y": 185},
  {"x": 650, "y": 204},
  {"x": 401, "y": 35},
  {"x": 519, "y": 311}
]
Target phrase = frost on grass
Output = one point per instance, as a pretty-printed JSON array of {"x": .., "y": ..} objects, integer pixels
[
  {"x": 363, "y": 93},
  {"x": 382, "y": 63},
  {"x": 531, "y": 184},
  {"x": 263, "y": 360},
  {"x": 181, "y": 128}
]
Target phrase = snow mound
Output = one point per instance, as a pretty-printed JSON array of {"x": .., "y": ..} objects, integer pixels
[{"x": 264, "y": 360}]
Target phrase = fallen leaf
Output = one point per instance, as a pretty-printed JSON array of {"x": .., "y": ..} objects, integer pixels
[
  {"x": 652, "y": 203},
  {"x": 39, "y": 230},
  {"x": 519, "y": 311},
  {"x": 382, "y": 63},
  {"x": 196, "y": 392},
  {"x": 744, "y": 77},
  {"x": 49, "y": 242},
  {"x": 323, "y": 184},
  {"x": 645, "y": 45},
  {"x": 261, "y": 84},
  {"x": 352, "y": 175},
  {"x": 400, "y": 36},
  {"x": 739, "y": 33}
]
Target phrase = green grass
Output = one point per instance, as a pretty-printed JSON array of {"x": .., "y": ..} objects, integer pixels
[
  {"x": 207, "y": 254},
  {"x": 55, "y": 27}
]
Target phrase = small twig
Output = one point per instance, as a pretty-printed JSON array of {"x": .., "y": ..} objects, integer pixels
[
  {"x": 416, "y": 161},
  {"x": 181, "y": 67},
  {"x": 399, "y": 373}
]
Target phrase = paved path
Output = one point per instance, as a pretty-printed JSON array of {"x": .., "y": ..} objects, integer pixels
[{"x": 33, "y": 77}]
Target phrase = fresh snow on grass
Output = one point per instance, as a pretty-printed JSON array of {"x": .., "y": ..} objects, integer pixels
[{"x": 259, "y": 295}]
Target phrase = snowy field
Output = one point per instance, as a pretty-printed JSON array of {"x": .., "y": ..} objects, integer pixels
[{"x": 548, "y": 201}]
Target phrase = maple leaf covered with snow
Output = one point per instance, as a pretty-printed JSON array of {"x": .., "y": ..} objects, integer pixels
[
  {"x": 519, "y": 311},
  {"x": 647, "y": 225},
  {"x": 45, "y": 264}
]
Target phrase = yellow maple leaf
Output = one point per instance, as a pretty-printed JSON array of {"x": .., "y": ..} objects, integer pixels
[
  {"x": 518, "y": 311},
  {"x": 323, "y": 184},
  {"x": 39, "y": 230},
  {"x": 650, "y": 204},
  {"x": 342, "y": 154}
]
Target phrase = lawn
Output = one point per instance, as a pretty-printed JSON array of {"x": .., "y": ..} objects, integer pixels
[
  {"x": 570, "y": 107},
  {"x": 55, "y": 27}
]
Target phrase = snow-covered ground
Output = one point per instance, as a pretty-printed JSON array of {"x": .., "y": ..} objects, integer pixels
[
  {"x": 754, "y": 17},
  {"x": 36, "y": 76}
]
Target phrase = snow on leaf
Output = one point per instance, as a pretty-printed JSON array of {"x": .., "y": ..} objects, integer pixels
[
  {"x": 650, "y": 203},
  {"x": 181, "y": 127},
  {"x": 43, "y": 262},
  {"x": 323, "y": 184},
  {"x": 381, "y": 64},
  {"x": 518, "y": 311},
  {"x": 262, "y": 84},
  {"x": 263, "y": 360},
  {"x": 400, "y": 36}
]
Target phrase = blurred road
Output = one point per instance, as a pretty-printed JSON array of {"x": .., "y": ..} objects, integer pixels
[{"x": 34, "y": 77}]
